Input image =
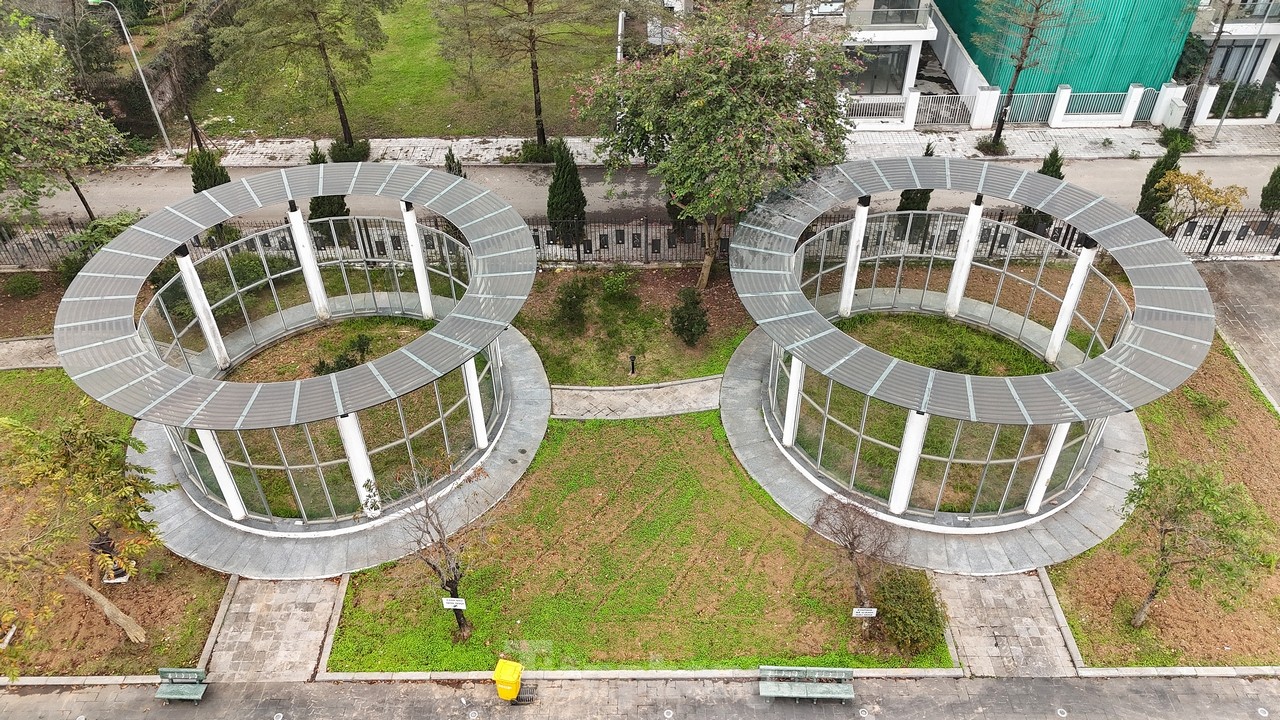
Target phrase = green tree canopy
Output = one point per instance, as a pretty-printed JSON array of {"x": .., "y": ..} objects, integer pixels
[
  {"x": 566, "y": 203},
  {"x": 323, "y": 206},
  {"x": 1200, "y": 526},
  {"x": 916, "y": 200},
  {"x": 1270, "y": 200},
  {"x": 321, "y": 44},
  {"x": 742, "y": 105},
  {"x": 1151, "y": 201},
  {"x": 1030, "y": 218},
  {"x": 49, "y": 132}
]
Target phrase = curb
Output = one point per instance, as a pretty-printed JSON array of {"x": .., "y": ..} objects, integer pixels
[
  {"x": 323, "y": 664},
  {"x": 1063, "y": 626},
  {"x": 625, "y": 388},
  {"x": 218, "y": 619},
  {"x": 632, "y": 675}
]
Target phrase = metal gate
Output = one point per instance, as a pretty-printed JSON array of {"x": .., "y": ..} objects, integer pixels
[
  {"x": 945, "y": 110},
  {"x": 1147, "y": 106}
]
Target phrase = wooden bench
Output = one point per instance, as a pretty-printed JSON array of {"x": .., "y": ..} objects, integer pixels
[
  {"x": 181, "y": 684},
  {"x": 806, "y": 683}
]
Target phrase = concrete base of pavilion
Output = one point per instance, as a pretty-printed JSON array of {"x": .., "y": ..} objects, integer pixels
[
  {"x": 218, "y": 543},
  {"x": 1063, "y": 532}
]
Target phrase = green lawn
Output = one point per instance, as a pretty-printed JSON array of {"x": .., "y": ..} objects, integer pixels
[
  {"x": 413, "y": 93},
  {"x": 627, "y": 544}
]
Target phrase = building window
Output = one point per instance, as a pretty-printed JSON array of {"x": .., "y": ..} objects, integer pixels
[
  {"x": 895, "y": 12},
  {"x": 829, "y": 8},
  {"x": 787, "y": 8},
  {"x": 1236, "y": 60},
  {"x": 885, "y": 72}
]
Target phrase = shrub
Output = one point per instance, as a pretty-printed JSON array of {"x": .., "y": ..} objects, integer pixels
[
  {"x": 532, "y": 152},
  {"x": 323, "y": 206},
  {"x": 340, "y": 151},
  {"x": 352, "y": 354},
  {"x": 1151, "y": 200},
  {"x": 1252, "y": 100},
  {"x": 1177, "y": 139},
  {"x": 571, "y": 303},
  {"x": 207, "y": 171},
  {"x": 22, "y": 285},
  {"x": 688, "y": 317},
  {"x": 452, "y": 164},
  {"x": 620, "y": 287},
  {"x": 1270, "y": 201},
  {"x": 988, "y": 145},
  {"x": 909, "y": 615}
]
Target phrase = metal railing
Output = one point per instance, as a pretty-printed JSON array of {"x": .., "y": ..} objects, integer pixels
[
  {"x": 876, "y": 107},
  {"x": 1028, "y": 108},
  {"x": 1095, "y": 103},
  {"x": 945, "y": 109},
  {"x": 912, "y": 13}
]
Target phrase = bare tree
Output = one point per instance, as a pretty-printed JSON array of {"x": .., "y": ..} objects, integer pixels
[
  {"x": 1018, "y": 30},
  {"x": 461, "y": 28},
  {"x": 1193, "y": 93},
  {"x": 443, "y": 532},
  {"x": 865, "y": 539}
]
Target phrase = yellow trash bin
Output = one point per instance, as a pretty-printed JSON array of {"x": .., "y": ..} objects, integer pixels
[{"x": 506, "y": 676}]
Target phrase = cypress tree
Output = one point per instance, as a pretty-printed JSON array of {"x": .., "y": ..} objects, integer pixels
[
  {"x": 452, "y": 164},
  {"x": 1029, "y": 218},
  {"x": 916, "y": 199},
  {"x": 1151, "y": 200},
  {"x": 1270, "y": 201},
  {"x": 566, "y": 203},
  {"x": 207, "y": 172},
  {"x": 323, "y": 206}
]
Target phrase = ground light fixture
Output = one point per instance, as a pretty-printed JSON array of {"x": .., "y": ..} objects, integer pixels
[{"x": 146, "y": 88}]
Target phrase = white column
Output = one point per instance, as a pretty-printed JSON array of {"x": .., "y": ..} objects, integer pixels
[
  {"x": 910, "y": 109},
  {"x": 302, "y": 244},
  {"x": 222, "y": 473},
  {"x": 1169, "y": 92},
  {"x": 1058, "y": 110},
  {"x": 1274, "y": 113},
  {"x": 1205, "y": 104},
  {"x": 200, "y": 304},
  {"x": 1057, "y": 437},
  {"x": 967, "y": 246},
  {"x": 1071, "y": 298},
  {"x": 471, "y": 383},
  {"x": 791, "y": 417},
  {"x": 913, "y": 66},
  {"x": 1132, "y": 99},
  {"x": 986, "y": 104},
  {"x": 904, "y": 475},
  {"x": 413, "y": 237},
  {"x": 358, "y": 461},
  {"x": 857, "y": 233}
]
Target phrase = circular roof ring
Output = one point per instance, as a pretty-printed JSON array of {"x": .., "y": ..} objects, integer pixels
[
  {"x": 99, "y": 345},
  {"x": 1168, "y": 337}
]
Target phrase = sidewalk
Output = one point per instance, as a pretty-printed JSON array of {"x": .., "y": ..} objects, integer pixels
[{"x": 1024, "y": 143}]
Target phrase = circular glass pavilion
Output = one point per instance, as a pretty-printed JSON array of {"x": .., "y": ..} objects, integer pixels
[
  {"x": 322, "y": 454},
  {"x": 941, "y": 450}
]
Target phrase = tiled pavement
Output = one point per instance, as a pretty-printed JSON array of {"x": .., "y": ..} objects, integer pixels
[
  {"x": 1004, "y": 626},
  {"x": 617, "y": 403},
  {"x": 1023, "y": 142},
  {"x": 1244, "y": 294},
  {"x": 37, "y": 352},
  {"x": 273, "y": 631}
]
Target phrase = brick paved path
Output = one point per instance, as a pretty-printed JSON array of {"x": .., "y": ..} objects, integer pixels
[{"x": 617, "y": 403}]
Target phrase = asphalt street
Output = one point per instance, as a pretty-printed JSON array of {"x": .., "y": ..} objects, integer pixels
[{"x": 633, "y": 193}]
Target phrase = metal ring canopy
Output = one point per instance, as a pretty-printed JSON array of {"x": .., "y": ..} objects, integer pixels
[
  {"x": 99, "y": 345},
  {"x": 1167, "y": 339}
]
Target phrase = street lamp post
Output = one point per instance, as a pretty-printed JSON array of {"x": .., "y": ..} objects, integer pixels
[{"x": 141, "y": 76}]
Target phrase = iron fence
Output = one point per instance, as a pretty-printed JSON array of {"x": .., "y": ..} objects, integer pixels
[
  {"x": 945, "y": 110},
  {"x": 1028, "y": 108},
  {"x": 1095, "y": 103}
]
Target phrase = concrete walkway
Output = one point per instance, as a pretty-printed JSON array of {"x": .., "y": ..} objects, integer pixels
[
  {"x": 662, "y": 698},
  {"x": 34, "y": 352},
  {"x": 1023, "y": 143},
  {"x": 635, "y": 401},
  {"x": 1244, "y": 294},
  {"x": 274, "y": 631}
]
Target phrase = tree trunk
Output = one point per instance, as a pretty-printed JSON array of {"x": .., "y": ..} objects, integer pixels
[
  {"x": 1193, "y": 92},
  {"x": 83, "y": 200},
  {"x": 1013, "y": 86},
  {"x": 464, "y": 625},
  {"x": 710, "y": 247},
  {"x": 334, "y": 88},
  {"x": 131, "y": 628},
  {"x": 537, "y": 86},
  {"x": 1140, "y": 615}
]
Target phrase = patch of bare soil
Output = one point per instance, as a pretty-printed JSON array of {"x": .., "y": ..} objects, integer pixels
[
  {"x": 27, "y": 317},
  {"x": 1101, "y": 588}
]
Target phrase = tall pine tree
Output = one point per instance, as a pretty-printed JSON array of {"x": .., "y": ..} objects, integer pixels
[
  {"x": 207, "y": 172},
  {"x": 323, "y": 206},
  {"x": 1030, "y": 218},
  {"x": 1151, "y": 200},
  {"x": 566, "y": 203}
]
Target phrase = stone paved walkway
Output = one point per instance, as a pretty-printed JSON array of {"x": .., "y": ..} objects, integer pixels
[
  {"x": 273, "y": 631},
  {"x": 1004, "y": 626},
  {"x": 28, "y": 353},
  {"x": 1023, "y": 142},
  {"x": 639, "y": 401}
]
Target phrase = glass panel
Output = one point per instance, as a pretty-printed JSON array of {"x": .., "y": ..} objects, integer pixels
[
  {"x": 885, "y": 71},
  {"x": 875, "y": 469},
  {"x": 279, "y": 494},
  {"x": 809, "y": 429},
  {"x": 924, "y": 492},
  {"x": 837, "y": 452},
  {"x": 342, "y": 488},
  {"x": 961, "y": 487}
]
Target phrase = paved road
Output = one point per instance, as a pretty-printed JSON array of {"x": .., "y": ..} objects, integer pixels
[
  {"x": 935, "y": 699},
  {"x": 633, "y": 193}
]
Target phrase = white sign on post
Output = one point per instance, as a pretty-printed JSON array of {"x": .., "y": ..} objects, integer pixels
[
  {"x": 864, "y": 612},
  {"x": 454, "y": 603}
]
